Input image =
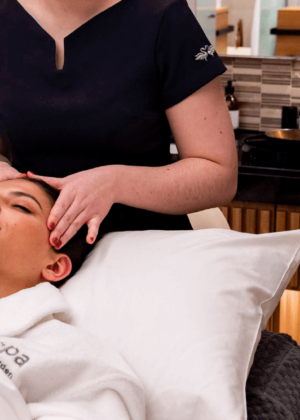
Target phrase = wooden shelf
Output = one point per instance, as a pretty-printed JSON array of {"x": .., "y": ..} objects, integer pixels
[
  {"x": 275, "y": 31},
  {"x": 287, "y": 31},
  {"x": 227, "y": 30}
]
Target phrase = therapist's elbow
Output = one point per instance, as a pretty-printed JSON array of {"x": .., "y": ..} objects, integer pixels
[
  {"x": 230, "y": 185},
  {"x": 231, "y": 190}
]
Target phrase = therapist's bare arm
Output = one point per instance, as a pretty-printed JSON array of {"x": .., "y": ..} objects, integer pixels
[{"x": 205, "y": 177}]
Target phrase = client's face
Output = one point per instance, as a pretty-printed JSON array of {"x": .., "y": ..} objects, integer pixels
[{"x": 26, "y": 257}]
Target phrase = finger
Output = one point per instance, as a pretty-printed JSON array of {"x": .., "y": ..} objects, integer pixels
[
  {"x": 65, "y": 222},
  {"x": 78, "y": 222},
  {"x": 93, "y": 229},
  {"x": 21, "y": 176},
  {"x": 54, "y": 182},
  {"x": 60, "y": 208}
]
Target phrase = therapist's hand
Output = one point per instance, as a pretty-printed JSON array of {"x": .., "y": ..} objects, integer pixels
[{"x": 85, "y": 198}]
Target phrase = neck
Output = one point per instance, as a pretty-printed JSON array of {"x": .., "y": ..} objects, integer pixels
[
  {"x": 81, "y": 9},
  {"x": 10, "y": 286},
  {"x": 7, "y": 290}
]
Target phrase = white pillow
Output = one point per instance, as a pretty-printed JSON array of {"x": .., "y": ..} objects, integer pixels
[{"x": 185, "y": 309}]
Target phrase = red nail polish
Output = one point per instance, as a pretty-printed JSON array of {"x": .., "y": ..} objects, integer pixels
[
  {"x": 52, "y": 226},
  {"x": 30, "y": 172},
  {"x": 55, "y": 241},
  {"x": 92, "y": 239},
  {"x": 58, "y": 244}
]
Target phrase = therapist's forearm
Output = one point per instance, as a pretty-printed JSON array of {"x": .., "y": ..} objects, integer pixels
[{"x": 183, "y": 187}]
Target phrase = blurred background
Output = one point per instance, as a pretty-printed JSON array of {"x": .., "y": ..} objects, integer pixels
[{"x": 251, "y": 28}]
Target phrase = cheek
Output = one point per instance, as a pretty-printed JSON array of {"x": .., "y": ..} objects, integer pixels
[
  {"x": 25, "y": 235},
  {"x": 24, "y": 246},
  {"x": 36, "y": 236}
]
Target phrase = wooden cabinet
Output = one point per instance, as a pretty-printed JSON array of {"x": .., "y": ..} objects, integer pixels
[
  {"x": 265, "y": 218},
  {"x": 288, "y": 26},
  {"x": 222, "y": 23},
  {"x": 244, "y": 216}
]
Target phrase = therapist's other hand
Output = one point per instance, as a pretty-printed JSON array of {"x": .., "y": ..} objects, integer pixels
[
  {"x": 8, "y": 172},
  {"x": 85, "y": 198}
]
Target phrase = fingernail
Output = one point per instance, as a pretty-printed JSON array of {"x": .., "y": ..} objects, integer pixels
[
  {"x": 31, "y": 172},
  {"x": 92, "y": 239},
  {"x": 54, "y": 241},
  {"x": 52, "y": 226},
  {"x": 58, "y": 245}
]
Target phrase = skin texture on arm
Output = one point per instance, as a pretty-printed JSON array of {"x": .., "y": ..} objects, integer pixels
[{"x": 205, "y": 177}]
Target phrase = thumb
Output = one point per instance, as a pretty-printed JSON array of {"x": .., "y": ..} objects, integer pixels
[{"x": 54, "y": 182}]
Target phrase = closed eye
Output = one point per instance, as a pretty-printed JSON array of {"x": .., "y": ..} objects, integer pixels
[{"x": 23, "y": 208}]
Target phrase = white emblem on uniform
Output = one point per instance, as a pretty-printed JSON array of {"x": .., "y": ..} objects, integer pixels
[{"x": 204, "y": 51}]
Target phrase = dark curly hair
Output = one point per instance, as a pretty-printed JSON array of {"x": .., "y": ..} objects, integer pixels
[{"x": 76, "y": 248}]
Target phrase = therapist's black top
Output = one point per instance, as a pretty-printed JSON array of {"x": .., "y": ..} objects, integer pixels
[{"x": 123, "y": 68}]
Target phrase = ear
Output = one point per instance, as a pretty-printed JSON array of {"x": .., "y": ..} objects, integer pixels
[{"x": 59, "y": 269}]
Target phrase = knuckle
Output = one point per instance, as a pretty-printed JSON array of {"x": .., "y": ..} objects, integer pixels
[
  {"x": 63, "y": 205},
  {"x": 68, "y": 217},
  {"x": 77, "y": 225}
]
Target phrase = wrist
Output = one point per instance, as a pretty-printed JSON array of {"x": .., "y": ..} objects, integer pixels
[
  {"x": 113, "y": 175},
  {"x": 118, "y": 178},
  {"x": 134, "y": 185}
]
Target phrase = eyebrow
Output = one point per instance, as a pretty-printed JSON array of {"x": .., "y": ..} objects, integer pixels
[{"x": 22, "y": 194}]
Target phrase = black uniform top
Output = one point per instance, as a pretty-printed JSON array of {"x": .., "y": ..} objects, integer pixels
[{"x": 123, "y": 68}]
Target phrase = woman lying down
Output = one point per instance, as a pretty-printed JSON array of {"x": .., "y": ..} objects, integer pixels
[{"x": 61, "y": 371}]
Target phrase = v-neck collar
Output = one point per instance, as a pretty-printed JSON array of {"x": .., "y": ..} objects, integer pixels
[
  {"x": 71, "y": 34},
  {"x": 82, "y": 30}
]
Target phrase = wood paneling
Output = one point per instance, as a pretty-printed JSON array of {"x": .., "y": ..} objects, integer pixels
[
  {"x": 273, "y": 324},
  {"x": 251, "y": 217},
  {"x": 288, "y": 218},
  {"x": 236, "y": 219},
  {"x": 280, "y": 221},
  {"x": 224, "y": 210},
  {"x": 289, "y": 314},
  {"x": 260, "y": 218}
]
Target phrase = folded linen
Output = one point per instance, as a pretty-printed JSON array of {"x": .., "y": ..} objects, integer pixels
[{"x": 62, "y": 371}]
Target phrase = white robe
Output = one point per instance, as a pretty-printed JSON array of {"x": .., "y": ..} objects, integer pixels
[{"x": 62, "y": 372}]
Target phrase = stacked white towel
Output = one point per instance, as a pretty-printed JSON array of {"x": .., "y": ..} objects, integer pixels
[{"x": 63, "y": 372}]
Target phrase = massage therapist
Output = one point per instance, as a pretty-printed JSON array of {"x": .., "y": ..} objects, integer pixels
[{"x": 90, "y": 93}]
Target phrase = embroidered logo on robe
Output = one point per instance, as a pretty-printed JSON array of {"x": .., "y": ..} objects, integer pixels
[
  {"x": 204, "y": 52},
  {"x": 11, "y": 359}
]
